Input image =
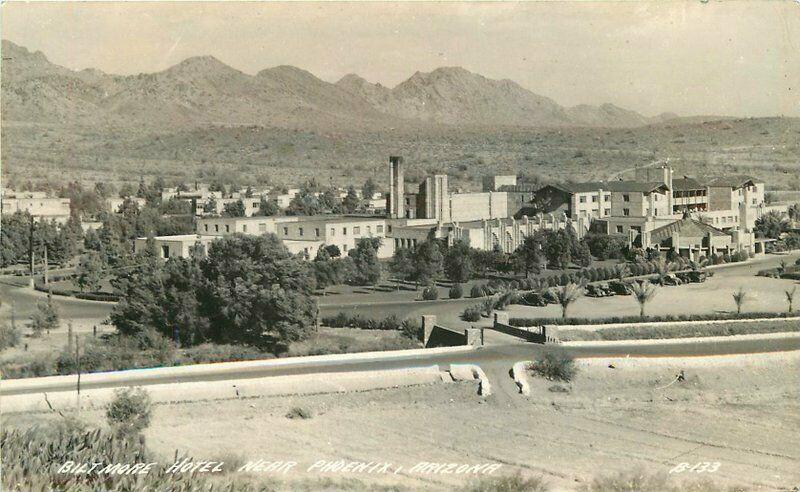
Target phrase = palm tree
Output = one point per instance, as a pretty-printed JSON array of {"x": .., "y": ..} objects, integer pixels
[
  {"x": 739, "y": 297},
  {"x": 566, "y": 295},
  {"x": 790, "y": 297},
  {"x": 643, "y": 293},
  {"x": 662, "y": 269},
  {"x": 623, "y": 271}
]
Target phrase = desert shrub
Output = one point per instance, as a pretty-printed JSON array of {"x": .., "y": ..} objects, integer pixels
[
  {"x": 344, "y": 320},
  {"x": 456, "y": 292},
  {"x": 299, "y": 413},
  {"x": 129, "y": 412},
  {"x": 64, "y": 441},
  {"x": 471, "y": 313},
  {"x": 510, "y": 297},
  {"x": 9, "y": 336},
  {"x": 430, "y": 293},
  {"x": 411, "y": 328},
  {"x": 212, "y": 353},
  {"x": 550, "y": 297},
  {"x": 476, "y": 291},
  {"x": 325, "y": 344},
  {"x": 508, "y": 483},
  {"x": 119, "y": 352},
  {"x": 554, "y": 363}
]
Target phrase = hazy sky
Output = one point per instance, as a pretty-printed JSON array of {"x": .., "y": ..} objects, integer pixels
[{"x": 731, "y": 58}]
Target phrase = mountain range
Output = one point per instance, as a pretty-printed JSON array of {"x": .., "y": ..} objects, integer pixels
[{"x": 204, "y": 91}]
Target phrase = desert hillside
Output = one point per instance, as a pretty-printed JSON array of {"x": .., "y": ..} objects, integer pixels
[{"x": 202, "y": 119}]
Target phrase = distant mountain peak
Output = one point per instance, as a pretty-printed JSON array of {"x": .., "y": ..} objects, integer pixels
[{"x": 203, "y": 90}]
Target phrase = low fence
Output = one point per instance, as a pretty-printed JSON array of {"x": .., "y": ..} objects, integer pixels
[{"x": 535, "y": 334}]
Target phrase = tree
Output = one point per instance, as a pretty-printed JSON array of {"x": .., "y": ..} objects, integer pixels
[
  {"x": 256, "y": 292},
  {"x": 739, "y": 297},
  {"x": 162, "y": 297},
  {"x": 45, "y": 317},
  {"x": 529, "y": 256},
  {"x": 458, "y": 263},
  {"x": 304, "y": 203},
  {"x": 557, "y": 249},
  {"x": 581, "y": 254},
  {"x": 771, "y": 225},
  {"x": 790, "y": 297},
  {"x": 643, "y": 293},
  {"x": 327, "y": 271},
  {"x": 210, "y": 207},
  {"x": 427, "y": 262},
  {"x": 333, "y": 250},
  {"x": 233, "y": 209},
  {"x": 483, "y": 261},
  {"x": 402, "y": 264},
  {"x": 369, "y": 189},
  {"x": 367, "y": 268},
  {"x": 129, "y": 412},
  {"x": 351, "y": 202},
  {"x": 267, "y": 208},
  {"x": 89, "y": 271},
  {"x": 566, "y": 295}
]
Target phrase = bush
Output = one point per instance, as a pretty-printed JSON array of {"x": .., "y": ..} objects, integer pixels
[
  {"x": 9, "y": 337},
  {"x": 67, "y": 441},
  {"x": 343, "y": 320},
  {"x": 299, "y": 413},
  {"x": 510, "y": 483},
  {"x": 456, "y": 292},
  {"x": 472, "y": 313},
  {"x": 430, "y": 293},
  {"x": 555, "y": 364},
  {"x": 476, "y": 291},
  {"x": 412, "y": 329},
  {"x": 129, "y": 412}
]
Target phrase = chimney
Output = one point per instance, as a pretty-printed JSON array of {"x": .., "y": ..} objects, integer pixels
[{"x": 396, "y": 188}]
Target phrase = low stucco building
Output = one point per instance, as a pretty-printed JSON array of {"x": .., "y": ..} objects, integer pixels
[{"x": 178, "y": 246}]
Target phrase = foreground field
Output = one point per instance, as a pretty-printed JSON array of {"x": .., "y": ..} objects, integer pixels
[{"x": 739, "y": 411}]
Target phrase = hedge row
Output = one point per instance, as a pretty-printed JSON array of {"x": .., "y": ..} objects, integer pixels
[
  {"x": 408, "y": 327},
  {"x": 649, "y": 319},
  {"x": 680, "y": 331}
]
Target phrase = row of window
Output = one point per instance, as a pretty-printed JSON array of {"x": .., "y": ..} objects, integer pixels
[
  {"x": 356, "y": 231},
  {"x": 606, "y": 198}
]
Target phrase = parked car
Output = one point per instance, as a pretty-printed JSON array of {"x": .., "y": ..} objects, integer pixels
[
  {"x": 671, "y": 279},
  {"x": 534, "y": 299},
  {"x": 621, "y": 287},
  {"x": 697, "y": 276},
  {"x": 550, "y": 297}
]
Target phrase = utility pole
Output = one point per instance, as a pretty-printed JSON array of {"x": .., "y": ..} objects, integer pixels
[
  {"x": 31, "y": 252},
  {"x": 78, "y": 365},
  {"x": 45, "y": 265}
]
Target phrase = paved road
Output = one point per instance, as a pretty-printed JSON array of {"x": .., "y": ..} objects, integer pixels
[
  {"x": 498, "y": 358},
  {"x": 25, "y": 299}
]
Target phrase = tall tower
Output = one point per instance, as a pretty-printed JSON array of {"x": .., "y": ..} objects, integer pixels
[{"x": 397, "y": 209}]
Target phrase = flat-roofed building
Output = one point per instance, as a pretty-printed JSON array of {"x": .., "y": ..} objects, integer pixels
[
  {"x": 178, "y": 246},
  {"x": 37, "y": 204},
  {"x": 343, "y": 231},
  {"x": 221, "y": 226}
]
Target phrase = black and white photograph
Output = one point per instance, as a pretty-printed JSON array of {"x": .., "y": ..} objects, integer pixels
[{"x": 400, "y": 246}]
